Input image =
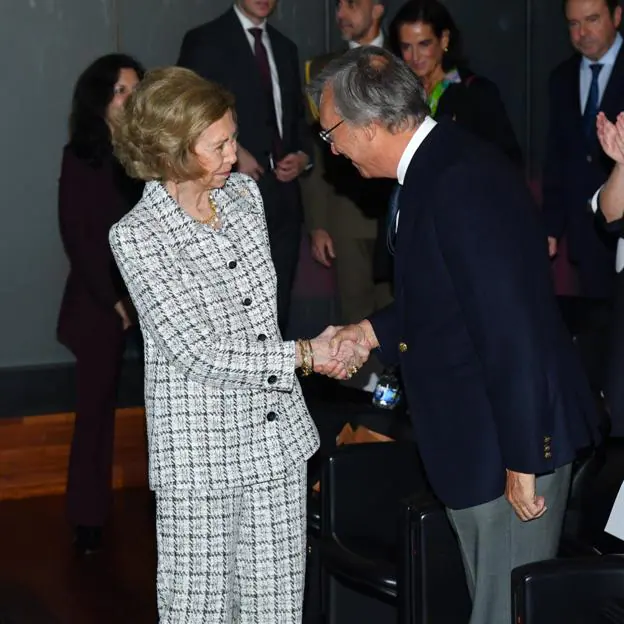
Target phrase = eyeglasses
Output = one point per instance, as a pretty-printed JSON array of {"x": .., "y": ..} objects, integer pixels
[{"x": 326, "y": 134}]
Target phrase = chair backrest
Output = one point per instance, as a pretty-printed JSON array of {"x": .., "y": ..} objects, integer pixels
[
  {"x": 574, "y": 591},
  {"x": 584, "y": 474},
  {"x": 431, "y": 581},
  {"x": 362, "y": 486}
]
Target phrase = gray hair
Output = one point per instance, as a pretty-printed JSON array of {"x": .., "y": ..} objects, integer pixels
[{"x": 369, "y": 84}]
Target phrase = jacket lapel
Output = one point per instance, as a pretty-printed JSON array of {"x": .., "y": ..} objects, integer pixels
[
  {"x": 429, "y": 161},
  {"x": 241, "y": 56},
  {"x": 573, "y": 83},
  {"x": 612, "y": 101}
]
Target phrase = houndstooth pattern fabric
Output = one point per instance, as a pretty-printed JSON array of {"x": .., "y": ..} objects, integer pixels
[
  {"x": 233, "y": 556},
  {"x": 224, "y": 407}
]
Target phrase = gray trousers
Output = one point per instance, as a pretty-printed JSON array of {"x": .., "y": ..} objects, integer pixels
[{"x": 494, "y": 541}]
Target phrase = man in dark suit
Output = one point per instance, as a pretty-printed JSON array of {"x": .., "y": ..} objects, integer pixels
[
  {"x": 260, "y": 66},
  {"x": 589, "y": 81},
  {"x": 342, "y": 210},
  {"x": 497, "y": 396}
]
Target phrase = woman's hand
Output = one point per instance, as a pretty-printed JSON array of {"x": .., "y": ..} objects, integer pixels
[
  {"x": 121, "y": 309},
  {"x": 341, "y": 363}
]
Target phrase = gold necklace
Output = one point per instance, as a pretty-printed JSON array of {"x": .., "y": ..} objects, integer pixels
[{"x": 213, "y": 219}]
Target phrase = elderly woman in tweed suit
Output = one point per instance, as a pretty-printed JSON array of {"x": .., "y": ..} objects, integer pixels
[{"x": 229, "y": 432}]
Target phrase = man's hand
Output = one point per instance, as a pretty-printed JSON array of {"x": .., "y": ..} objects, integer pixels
[
  {"x": 520, "y": 492},
  {"x": 361, "y": 333},
  {"x": 291, "y": 166},
  {"x": 322, "y": 247},
  {"x": 346, "y": 338},
  {"x": 341, "y": 364},
  {"x": 552, "y": 246},
  {"x": 611, "y": 136},
  {"x": 248, "y": 164}
]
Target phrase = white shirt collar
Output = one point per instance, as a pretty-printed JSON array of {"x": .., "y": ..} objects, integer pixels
[
  {"x": 609, "y": 57},
  {"x": 377, "y": 41},
  {"x": 415, "y": 142},
  {"x": 246, "y": 23}
]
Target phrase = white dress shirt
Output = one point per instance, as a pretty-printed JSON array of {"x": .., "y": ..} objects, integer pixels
[
  {"x": 246, "y": 23},
  {"x": 415, "y": 142},
  {"x": 378, "y": 41},
  {"x": 607, "y": 62},
  {"x": 619, "y": 254}
]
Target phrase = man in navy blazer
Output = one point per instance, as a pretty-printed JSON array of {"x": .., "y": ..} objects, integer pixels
[
  {"x": 591, "y": 80},
  {"x": 498, "y": 399}
]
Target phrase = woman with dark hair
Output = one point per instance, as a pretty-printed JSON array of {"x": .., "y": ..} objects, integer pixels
[
  {"x": 425, "y": 35},
  {"x": 94, "y": 193}
]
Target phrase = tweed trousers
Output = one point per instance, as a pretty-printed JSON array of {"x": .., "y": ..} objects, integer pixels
[{"x": 233, "y": 556}]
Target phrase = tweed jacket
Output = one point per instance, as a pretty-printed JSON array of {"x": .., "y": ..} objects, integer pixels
[{"x": 224, "y": 406}]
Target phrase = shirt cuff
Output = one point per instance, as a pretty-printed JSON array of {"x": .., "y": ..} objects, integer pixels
[
  {"x": 310, "y": 162},
  {"x": 594, "y": 201}
]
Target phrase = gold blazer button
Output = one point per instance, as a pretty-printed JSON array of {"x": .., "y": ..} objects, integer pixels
[{"x": 402, "y": 347}]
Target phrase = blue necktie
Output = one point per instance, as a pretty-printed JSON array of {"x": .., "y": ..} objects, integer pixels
[
  {"x": 591, "y": 106},
  {"x": 392, "y": 217}
]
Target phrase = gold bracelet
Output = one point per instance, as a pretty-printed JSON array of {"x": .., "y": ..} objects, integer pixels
[
  {"x": 309, "y": 361},
  {"x": 311, "y": 354},
  {"x": 305, "y": 350}
]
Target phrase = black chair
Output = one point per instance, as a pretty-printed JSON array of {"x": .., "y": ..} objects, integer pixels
[
  {"x": 431, "y": 583},
  {"x": 576, "y": 538},
  {"x": 331, "y": 413},
  {"x": 312, "y": 598},
  {"x": 583, "y": 589},
  {"x": 568, "y": 591},
  {"x": 383, "y": 539}
]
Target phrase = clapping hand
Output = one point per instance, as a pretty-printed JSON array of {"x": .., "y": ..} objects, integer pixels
[
  {"x": 341, "y": 360},
  {"x": 611, "y": 136}
]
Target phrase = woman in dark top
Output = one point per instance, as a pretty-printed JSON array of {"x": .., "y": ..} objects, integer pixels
[
  {"x": 94, "y": 193},
  {"x": 424, "y": 34}
]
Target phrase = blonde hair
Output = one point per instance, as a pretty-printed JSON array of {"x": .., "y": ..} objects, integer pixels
[{"x": 154, "y": 135}]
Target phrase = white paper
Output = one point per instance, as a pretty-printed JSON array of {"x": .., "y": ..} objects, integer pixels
[{"x": 615, "y": 523}]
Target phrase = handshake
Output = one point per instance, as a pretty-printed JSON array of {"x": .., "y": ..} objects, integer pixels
[{"x": 339, "y": 352}]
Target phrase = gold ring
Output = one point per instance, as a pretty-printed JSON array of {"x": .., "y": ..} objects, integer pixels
[{"x": 352, "y": 370}]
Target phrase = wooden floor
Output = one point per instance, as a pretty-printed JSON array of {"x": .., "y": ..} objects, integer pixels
[
  {"x": 34, "y": 451},
  {"x": 43, "y": 582}
]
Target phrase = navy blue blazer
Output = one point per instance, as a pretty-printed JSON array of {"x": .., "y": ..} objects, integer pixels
[
  {"x": 573, "y": 170},
  {"x": 491, "y": 375}
]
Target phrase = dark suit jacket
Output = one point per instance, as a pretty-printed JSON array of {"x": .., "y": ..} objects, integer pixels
[
  {"x": 475, "y": 103},
  {"x": 614, "y": 387},
  {"x": 91, "y": 199},
  {"x": 220, "y": 51},
  {"x": 574, "y": 170},
  {"x": 492, "y": 378}
]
